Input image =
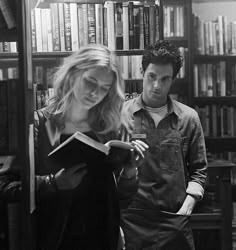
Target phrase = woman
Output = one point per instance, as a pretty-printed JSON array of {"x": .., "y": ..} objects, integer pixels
[{"x": 78, "y": 208}]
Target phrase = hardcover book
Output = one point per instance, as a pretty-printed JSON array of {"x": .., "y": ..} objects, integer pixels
[{"x": 79, "y": 148}]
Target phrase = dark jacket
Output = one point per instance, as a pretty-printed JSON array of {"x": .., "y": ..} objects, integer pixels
[{"x": 100, "y": 213}]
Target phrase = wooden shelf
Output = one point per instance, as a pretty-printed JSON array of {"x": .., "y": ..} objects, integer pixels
[
  {"x": 211, "y": 1},
  {"x": 43, "y": 3},
  {"x": 223, "y": 100},
  {"x": 214, "y": 58}
]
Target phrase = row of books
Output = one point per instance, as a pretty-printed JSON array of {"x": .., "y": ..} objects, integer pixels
[
  {"x": 216, "y": 37},
  {"x": 9, "y": 73},
  {"x": 41, "y": 96},
  {"x": 217, "y": 120},
  {"x": 69, "y": 26},
  {"x": 8, "y": 47},
  {"x": 131, "y": 67},
  {"x": 173, "y": 21},
  {"x": 210, "y": 80}
]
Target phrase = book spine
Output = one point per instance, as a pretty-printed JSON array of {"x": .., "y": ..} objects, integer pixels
[
  {"x": 91, "y": 24},
  {"x": 131, "y": 25},
  {"x": 61, "y": 25},
  {"x": 125, "y": 25},
  {"x": 136, "y": 26},
  {"x": 38, "y": 30},
  {"x": 119, "y": 25},
  {"x": 99, "y": 23},
  {"x": 74, "y": 26},
  {"x": 141, "y": 30},
  {"x": 49, "y": 29},
  {"x": 55, "y": 27},
  {"x": 157, "y": 26},
  {"x": 67, "y": 25},
  {"x": 110, "y": 25},
  {"x": 33, "y": 30},
  {"x": 85, "y": 23},
  {"x": 44, "y": 30},
  {"x": 146, "y": 24},
  {"x": 152, "y": 23}
]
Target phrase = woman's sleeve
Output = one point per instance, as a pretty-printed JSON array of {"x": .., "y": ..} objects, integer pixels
[
  {"x": 10, "y": 184},
  {"x": 126, "y": 175}
]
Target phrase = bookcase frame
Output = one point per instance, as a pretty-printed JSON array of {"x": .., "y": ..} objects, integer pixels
[{"x": 23, "y": 59}]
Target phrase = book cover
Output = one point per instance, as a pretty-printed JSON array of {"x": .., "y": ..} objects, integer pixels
[{"x": 80, "y": 147}]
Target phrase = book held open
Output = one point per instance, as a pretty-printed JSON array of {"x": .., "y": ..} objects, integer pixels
[{"x": 80, "y": 148}]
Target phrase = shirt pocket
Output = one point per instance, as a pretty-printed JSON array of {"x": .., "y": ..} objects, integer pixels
[{"x": 170, "y": 155}]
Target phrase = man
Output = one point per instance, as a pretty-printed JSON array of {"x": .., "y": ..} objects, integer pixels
[{"x": 173, "y": 173}]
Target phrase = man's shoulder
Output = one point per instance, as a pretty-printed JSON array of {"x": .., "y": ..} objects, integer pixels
[{"x": 184, "y": 110}]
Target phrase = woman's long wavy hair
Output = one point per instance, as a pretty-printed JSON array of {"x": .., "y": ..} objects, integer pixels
[{"x": 104, "y": 117}]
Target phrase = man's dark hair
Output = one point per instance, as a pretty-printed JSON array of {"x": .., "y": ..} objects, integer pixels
[{"x": 162, "y": 52}]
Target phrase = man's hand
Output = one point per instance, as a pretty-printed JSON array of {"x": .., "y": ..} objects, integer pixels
[
  {"x": 70, "y": 178},
  {"x": 188, "y": 205}
]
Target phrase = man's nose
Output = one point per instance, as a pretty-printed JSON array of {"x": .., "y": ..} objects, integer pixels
[{"x": 156, "y": 83}]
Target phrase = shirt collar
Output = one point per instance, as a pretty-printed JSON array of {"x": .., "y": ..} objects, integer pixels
[{"x": 171, "y": 104}]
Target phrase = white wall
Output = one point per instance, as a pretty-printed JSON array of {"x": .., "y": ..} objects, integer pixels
[{"x": 209, "y": 11}]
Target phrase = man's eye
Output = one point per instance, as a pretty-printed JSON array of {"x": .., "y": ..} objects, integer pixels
[
  {"x": 151, "y": 77},
  {"x": 165, "y": 79}
]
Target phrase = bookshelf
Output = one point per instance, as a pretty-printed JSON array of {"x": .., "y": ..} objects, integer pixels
[
  {"x": 214, "y": 59},
  {"x": 33, "y": 64},
  {"x": 19, "y": 217}
]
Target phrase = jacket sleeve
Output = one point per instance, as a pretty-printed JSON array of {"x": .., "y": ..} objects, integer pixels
[
  {"x": 127, "y": 188},
  {"x": 197, "y": 165},
  {"x": 10, "y": 184},
  {"x": 127, "y": 178},
  {"x": 10, "y": 174}
]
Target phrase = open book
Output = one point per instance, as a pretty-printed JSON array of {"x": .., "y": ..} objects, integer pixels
[{"x": 80, "y": 148}]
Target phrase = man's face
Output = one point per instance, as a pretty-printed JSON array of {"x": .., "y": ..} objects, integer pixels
[{"x": 157, "y": 81}]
